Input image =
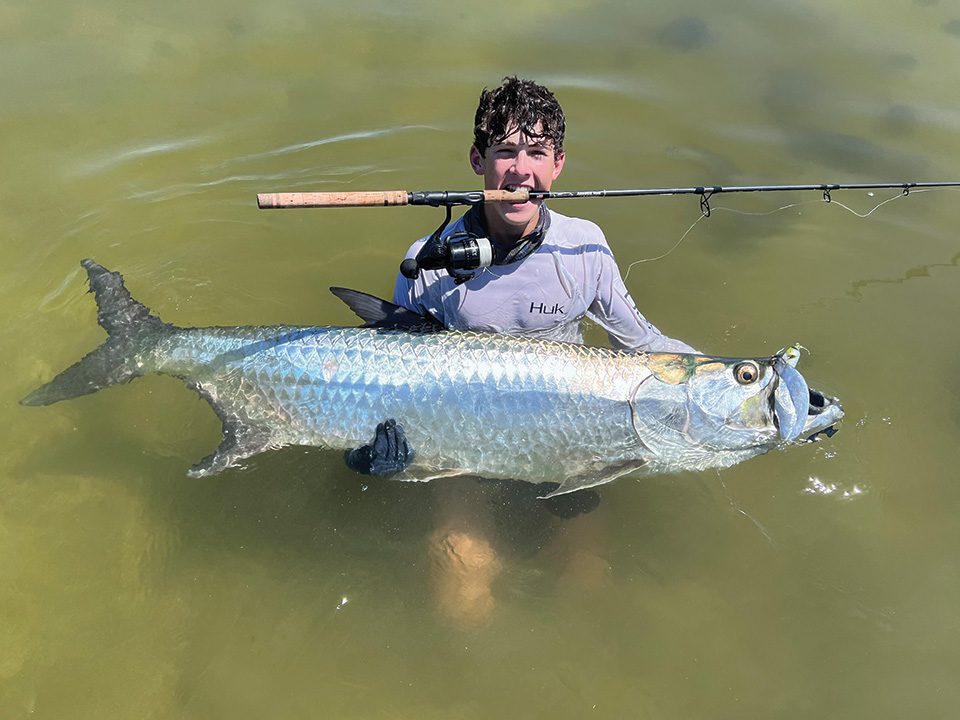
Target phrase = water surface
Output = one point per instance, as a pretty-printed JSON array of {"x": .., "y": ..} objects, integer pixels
[{"x": 821, "y": 581}]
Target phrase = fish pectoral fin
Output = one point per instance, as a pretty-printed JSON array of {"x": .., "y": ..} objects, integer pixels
[
  {"x": 241, "y": 439},
  {"x": 585, "y": 480},
  {"x": 425, "y": 473}
]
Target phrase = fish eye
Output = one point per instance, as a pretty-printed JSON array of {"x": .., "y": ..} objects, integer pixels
[{"x": 746, "y": 373}]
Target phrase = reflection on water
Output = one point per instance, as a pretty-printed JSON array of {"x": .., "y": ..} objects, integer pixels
[{"x": 815, "y": 582}]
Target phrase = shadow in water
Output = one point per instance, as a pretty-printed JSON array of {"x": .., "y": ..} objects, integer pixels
[
  {"x": 919, "y": 271},
  {"x": 299, "y": 503}
]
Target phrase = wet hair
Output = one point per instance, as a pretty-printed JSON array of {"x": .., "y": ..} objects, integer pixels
[{"x": 518, "y": 105}]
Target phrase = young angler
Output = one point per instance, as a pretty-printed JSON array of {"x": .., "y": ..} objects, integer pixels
[{"x": 549, "y": 271}]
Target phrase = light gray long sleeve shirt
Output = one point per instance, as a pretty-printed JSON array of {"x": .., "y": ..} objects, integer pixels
[{"x": 571, "y": 275}]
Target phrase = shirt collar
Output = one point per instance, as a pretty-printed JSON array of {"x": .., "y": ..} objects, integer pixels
[{"x": 475, "y": 224}]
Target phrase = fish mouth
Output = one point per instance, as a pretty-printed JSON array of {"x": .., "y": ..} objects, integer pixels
[
  {"x": 823, "y": 414},
  {"x": 797, "y": 409},
  {"x": 818, "y": 402}
]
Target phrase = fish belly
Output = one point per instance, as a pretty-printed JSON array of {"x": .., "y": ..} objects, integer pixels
[{"x": 490, "y": 405}]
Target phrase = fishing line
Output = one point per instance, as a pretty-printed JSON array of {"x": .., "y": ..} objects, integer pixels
[
  {"x": 469, "y": 255},
  {"x": 827, "y": 200},
  {"x": 876, "y": 207},
  {"x": 675, "y": 246},
  {"x": 734, "y": 505}
]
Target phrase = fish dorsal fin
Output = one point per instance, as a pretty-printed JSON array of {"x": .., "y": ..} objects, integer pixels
[{"x": 377, "y": 313}]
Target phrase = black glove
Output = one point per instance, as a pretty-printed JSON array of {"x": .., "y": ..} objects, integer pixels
[{"x": 387, "y": 453}]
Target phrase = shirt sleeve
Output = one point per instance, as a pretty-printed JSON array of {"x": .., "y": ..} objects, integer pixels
[{"x": 616, "y": 312}]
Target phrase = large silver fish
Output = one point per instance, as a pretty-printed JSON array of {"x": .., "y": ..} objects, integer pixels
[{"x": 471, "y": 403}]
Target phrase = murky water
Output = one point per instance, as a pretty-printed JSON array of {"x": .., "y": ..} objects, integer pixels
[{"x": 816, "y": 582}]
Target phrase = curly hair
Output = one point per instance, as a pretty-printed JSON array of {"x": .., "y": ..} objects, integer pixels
[{"x": 518, "y": 105}]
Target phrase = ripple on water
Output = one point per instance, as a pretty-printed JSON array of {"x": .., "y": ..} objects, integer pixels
[
  {"x": 333, "y": 139},
  {"x": 114, "y": 158},
  {"x": 64, "y": 295}
]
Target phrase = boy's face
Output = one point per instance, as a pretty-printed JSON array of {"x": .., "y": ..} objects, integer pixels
[{"x": 515, "y": 162}]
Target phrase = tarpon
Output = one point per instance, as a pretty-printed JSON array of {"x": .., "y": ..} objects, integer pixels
[{"x": 482, "y": 404}]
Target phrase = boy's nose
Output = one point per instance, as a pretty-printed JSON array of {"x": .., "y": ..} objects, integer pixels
[{"x": 521, "y": 164}]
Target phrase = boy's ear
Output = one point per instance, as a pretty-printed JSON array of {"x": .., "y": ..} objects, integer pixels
[
  {"x": 476, "y": 160},
  {"x": 558, "y": 161}
]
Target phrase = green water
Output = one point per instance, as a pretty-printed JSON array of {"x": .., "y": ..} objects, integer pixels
[{"x": 818, "y": 582}]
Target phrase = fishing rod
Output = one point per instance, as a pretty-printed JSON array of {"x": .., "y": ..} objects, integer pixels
[
  {"x": 448, "y": 198},
  {"x": 461, "y": 253}
]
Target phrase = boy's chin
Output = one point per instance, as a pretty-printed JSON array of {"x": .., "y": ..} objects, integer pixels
[{"x": 520, "y": 217}]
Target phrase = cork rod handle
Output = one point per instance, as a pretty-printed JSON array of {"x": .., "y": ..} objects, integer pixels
[
  {"x": 331, "y": 199},
  {"x": 386, "y": 198}
]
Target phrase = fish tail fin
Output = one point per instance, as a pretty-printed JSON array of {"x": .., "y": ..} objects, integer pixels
[{"x": 132, "y": 333}]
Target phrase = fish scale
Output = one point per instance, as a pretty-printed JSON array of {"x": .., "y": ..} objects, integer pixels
[
  {"x": 485, "y": 404},
  {"x": 449, "y": 408}
]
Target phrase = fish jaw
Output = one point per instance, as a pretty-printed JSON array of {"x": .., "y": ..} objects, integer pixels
[
  {"x": 823, "y": 413},
  {"x": 791, "y": 399},
  {"x": 801, "y": 411}
]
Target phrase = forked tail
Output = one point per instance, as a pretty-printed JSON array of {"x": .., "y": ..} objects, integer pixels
[{"x": 132, "y": 334}]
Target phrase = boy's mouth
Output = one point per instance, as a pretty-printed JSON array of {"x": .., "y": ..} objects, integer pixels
[{"x": 513, "y": 187}]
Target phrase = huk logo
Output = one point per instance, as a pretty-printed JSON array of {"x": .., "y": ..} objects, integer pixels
[{"x": 557, "y": 309}]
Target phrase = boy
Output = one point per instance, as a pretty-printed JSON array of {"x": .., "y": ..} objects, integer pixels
[{"x": 549, "y": 271}]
